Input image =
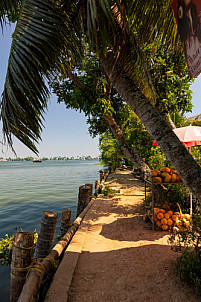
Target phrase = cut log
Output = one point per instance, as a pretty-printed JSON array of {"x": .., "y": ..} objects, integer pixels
[
  {"x": 21, "y": 260},
  {"x": 46, "y": 234},
  {"x": 83, "y": 198},
  {"x": 91, "y": 187},
  {"x": 65, "y": 221}
]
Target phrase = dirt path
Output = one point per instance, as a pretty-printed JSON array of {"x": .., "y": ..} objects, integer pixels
[{"x": 115, "y": 256}]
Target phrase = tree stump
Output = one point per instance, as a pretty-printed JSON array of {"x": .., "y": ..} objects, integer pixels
[
  {"x": 46, "y": 234},
  {"x": 65, "y": 221},
  {"x": 21, "y": 259},
  {"x": 83, "y": 198}
]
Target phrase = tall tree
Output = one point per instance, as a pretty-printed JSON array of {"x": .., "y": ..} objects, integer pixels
[
  {"x": 48, "y": 29},
  {"x": 90, "y": 92}
]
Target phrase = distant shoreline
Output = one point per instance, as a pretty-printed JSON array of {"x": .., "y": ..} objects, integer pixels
[{"x": 50, "y": 159}]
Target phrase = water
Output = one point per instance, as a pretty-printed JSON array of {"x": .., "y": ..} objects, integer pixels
[{"x": 28, "y": 189}]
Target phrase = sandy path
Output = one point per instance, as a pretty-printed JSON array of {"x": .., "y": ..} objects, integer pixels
[{"x": 117, "y": 257}]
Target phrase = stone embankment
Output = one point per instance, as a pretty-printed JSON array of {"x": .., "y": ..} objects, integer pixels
[{"x": 116, "y": 256}]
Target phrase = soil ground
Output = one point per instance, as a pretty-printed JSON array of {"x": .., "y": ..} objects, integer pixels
[{"x": 116, "y": 256}]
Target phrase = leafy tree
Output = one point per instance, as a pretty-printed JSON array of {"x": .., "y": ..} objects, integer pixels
[
  {"x": 169, "y": 79},
  {"x": 89, "y": 91},
  {"x": 110, "y": 153},
  {"x": 54, "y": 32}
]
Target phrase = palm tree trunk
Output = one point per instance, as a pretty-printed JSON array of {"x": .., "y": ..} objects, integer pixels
[
  {"x": 118, "y": 134},
  {"x": 181, "y": 159},
  {"x": 124, "y": 147}
]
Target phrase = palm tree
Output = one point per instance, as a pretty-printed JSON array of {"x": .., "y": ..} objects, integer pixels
[{"x": 49, "y": 32}]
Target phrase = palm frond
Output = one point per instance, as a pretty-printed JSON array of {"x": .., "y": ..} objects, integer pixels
[
  {"x": 42, "y": 32},
  {"x": 48, "y": 32},
  {"x": 150, "y": 17},
  {"x": 8, "y": 10},
  {"x": 99, "y": 15},
  {"x": 149, "y": 21}
]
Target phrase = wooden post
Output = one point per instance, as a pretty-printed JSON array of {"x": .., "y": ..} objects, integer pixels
[
  {"x": 32, "y": 286},
  {"x": 21, "y": 259},
  {"x": 65, "y": 221},
  {"x": 83, "y": 198},
  {"x": 91, "y": 187},
  {"x": 97, "y": 188},
  {"x": 46, "y": 234},
  {"x": 97, "y": 182},
  {"x": 101, "y": 175}
]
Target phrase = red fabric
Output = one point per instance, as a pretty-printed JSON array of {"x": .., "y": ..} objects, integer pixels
[{"x": 189, "y": 136}]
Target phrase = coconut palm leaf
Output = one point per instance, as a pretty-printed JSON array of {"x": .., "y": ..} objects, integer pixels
[
  {"x": 139, "y": 22},
  {"x": 8, "y": 11},
  {"x": 48, "y": 31},
  {"x": 42, "y": 31},
  {"x": 161, "y": 25}
]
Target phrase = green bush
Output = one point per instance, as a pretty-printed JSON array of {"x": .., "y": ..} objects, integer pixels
[
  {"x": 178, "y": 194},
  {"x": 173, "y": 195},
  {"x": 157, "y": 159},
  {"x": 188, "y": 243},
  {"x": 189, "y": 269},
  {"x": 108, "y": 191},
  {"x": 6, "y": 246}
]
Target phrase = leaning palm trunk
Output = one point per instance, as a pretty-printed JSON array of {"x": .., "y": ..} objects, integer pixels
[
  {"x": 124, "y": 147},
  {"x": 181, "y": 159},
  {"x": 118, "y": 134}
]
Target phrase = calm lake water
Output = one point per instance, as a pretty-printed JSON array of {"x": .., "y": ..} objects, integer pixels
[{"x": 28, "y": 189}]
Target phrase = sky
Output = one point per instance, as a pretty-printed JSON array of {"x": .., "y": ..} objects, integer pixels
[{"x": 66, "y": 131}]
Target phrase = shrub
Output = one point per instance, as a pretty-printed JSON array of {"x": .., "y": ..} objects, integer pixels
[
  {"x": 173, "y": 195},
  {"x": 6, "y": 246},
  {"x": 188, "y": 244},
  {"x": 157, "y": 159},
  {"x": 108, "y": 191}
]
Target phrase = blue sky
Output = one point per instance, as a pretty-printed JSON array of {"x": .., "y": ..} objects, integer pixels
[{"x": 65, "y": 132}]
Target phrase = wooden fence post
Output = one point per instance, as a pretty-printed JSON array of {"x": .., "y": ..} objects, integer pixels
[
  {"x": 23, "y": 244},
  {"x": 97, "y": 187},
  {"x": 65, "y": 221},
  {"x": 91, "y": 188},
  {"x": 34, "y": 280},
  {"x": 101, "y": 175},
  {"x": 83, "y": 198},
  {"x": 46, "y": 234},
  {"x": 97, "y": 182}
]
